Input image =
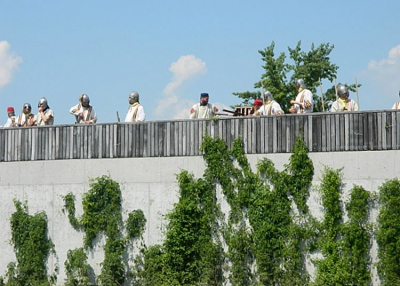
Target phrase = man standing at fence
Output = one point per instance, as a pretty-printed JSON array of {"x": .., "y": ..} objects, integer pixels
[
  {"x": 135, "y": 111},
  {"x": 343, "y": 103},
  {"x": 11, "y": 120},
  {"x": 45, "y": 115},
  {"x": 84, "y": 113},
  {"x": 271, "y": 107},
  {"x": 26, "y": 118},
  {"x": 203, "y": 109},
  {"x": 304, "y": 99}
]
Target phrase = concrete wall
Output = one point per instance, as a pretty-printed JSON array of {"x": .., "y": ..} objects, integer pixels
[{"x": 148, "y": 184}]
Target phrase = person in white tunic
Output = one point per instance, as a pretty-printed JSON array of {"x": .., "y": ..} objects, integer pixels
[
  {"x": 397, "y": 104},
  {"x": 203, "y": 109},
  {"x": 84, "y": 113},
  {"x": 135, "y": 111},
  {"x": 256, "y": 107},
  {"x": 304, "y": 100},
  {"x": 45, "y": 115},
  {"x": 11, "y": 120},
  {"x": 271, "y": 107},
  {"x": 343, "y": 103},
  {"x": 26, "y": 118}
]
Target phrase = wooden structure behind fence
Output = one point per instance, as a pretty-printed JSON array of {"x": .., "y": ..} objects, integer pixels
[{"x": 323, "y": 132}]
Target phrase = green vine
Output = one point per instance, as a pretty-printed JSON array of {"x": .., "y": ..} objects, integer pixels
[
  {"x": 32, "y": 248},
  {"x": 77, "y": 268},
  {"x": 102, "y": 215},
  {"x": 135, "y": 224},
  {"x": 388, "y": 233},
  {"x": 345, "y": 246}
]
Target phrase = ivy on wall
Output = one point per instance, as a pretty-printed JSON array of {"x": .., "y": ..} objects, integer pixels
[
  {"x": 32, "y": 248},
  {"x": 102, "y": 215},
  {"x": 263, "y": 240},
  {"x": 388, "y": 233},
  {"x": 345, "y": 246}
]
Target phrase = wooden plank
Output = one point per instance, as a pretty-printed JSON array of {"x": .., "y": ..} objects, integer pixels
[
  {"x": 262, "y": 134},
  {"x": 141, "y": 139},
  {"x": 382, "y": 129},
  {"x": 346, "y": 131},
  {"x": 253, "y": 134},
  {"x": 282, "y": 133},
  {"x": 355, "y": 131},
  {"x": 328, "y": 118},
  {"x": 397, "y": 130},
  {"x": 393, "y": 130}
]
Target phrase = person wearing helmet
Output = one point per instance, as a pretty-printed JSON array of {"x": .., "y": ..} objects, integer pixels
[
  {"x": 26, "y": 118},
  {"x": 255, "y": 111},
  {"x": 203, "y": 109},
  {"x": 135, "y": 111},
  {"x": 304, "y": 99},
  {"x": 343, "y": 103},
  {"x": 83, "y": 112},
  {"x": 11, "y": 120},
  {"x": 45, "y": 115},
  {"x": 270, "y": 107}
]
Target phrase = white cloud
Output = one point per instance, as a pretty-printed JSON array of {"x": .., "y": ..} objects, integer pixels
[
  {"x": 9, "y": 63},
  {"x": 173, "y": 104},
  {"x": 385, "y": 74}
]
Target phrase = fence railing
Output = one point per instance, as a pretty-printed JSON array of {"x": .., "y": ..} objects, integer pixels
[{"x": 322, "y": 132}]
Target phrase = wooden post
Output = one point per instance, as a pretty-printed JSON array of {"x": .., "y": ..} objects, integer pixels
[{"x": 322, "y": 96}]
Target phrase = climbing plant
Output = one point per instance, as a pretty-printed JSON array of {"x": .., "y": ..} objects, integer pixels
[
  {"x": 102, "y": 214},
  {"x": 388, "y": 233},
  {"x": 31, "y": 246},
  {"x": 344, "y": 246}
]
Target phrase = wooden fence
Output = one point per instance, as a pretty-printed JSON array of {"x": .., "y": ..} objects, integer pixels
[{"x": 323, "y": 132}]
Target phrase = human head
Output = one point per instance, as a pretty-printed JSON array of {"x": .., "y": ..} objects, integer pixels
[
  {"x": 133, "y": 97},
  {"x": 343, "y": 92},
  {"x": 43, "y": 102},
  {"x": 26, "y": 108},
  {"x": 204, "y": 97},
  {"x": 258, "y": 103},
  {"x": 84, "y": 99},
  {"x": 10, "y": 111},
  {"x": 268, "y": 96},
  {"x": 300, "y": 84}
]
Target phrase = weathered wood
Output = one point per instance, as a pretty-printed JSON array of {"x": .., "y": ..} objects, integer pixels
[{"x": 322, "y": 132}]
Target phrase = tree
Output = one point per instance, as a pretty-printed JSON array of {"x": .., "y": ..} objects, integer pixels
[{"x": 311, "y": 66}]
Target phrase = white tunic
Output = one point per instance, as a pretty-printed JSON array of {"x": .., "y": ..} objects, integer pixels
[
  {"x": 337, "y": 106},
  {"x": 21, "y": 120},
  {"x": 89, "y": 114},
  {"x": 135, "y": 114},
  {"x": 11, "y": 122},
  {"x": 271, "y": 108},
  {"x": 307, "y": 96},
  {"x": 39, "y": 120},
  {"x": 200, "y": 111}
]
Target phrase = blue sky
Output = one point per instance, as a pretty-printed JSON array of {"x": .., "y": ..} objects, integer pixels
[{"x": 171, "y": 51}]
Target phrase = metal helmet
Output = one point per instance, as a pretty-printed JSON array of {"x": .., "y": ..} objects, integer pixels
[
  {"x": 133, "y": 97},
  {"x": 43, "y": 102},
  {"x": 26, "y": 108},
  {"x": 84, "y": 98},
  {"x": 342, "y": 91},
  {"x": 268, "y": 96},
  {"x": 300, "y": 83}
]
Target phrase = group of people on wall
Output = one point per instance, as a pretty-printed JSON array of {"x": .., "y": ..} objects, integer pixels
[
  {"x": 85, "y": 114},
  {"x": 303, "y": 103}
]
